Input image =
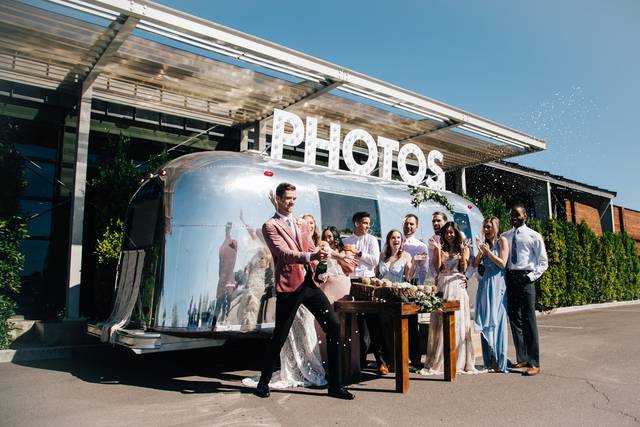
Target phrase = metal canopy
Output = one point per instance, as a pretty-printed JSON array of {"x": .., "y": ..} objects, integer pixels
[{"x": 47, "y": 49}]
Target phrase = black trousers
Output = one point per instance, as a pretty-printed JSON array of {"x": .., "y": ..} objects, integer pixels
[
  {"x": 287, "y": 305},
  {"x": 521, "y": 298},
  {"x": 372, "y": 338},
  {"x": 415, "y": 347}
]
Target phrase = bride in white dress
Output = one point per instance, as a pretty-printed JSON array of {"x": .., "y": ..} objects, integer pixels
[{"x": 300, "y": 361}]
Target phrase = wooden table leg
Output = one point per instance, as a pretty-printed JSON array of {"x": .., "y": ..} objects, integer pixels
[
  {"x": 449, "y": 344},
  {"x": 401, "y": 344},
  {"x": 345, "y": 347}
]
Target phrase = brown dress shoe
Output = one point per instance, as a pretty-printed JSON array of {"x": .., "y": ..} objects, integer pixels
[
  {"x": 382, "y": 369},
  {"x": 534, "y": 370},
  {"x": 520, "y": 365}
]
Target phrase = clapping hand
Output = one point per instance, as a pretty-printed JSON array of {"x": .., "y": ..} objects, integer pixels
[
  {"x": 436, "y": 243},
  {"x": 482, "y": 247},
  {"x": 466, "y": 244}
]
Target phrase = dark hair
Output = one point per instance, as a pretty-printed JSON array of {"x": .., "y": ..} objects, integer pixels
[
  {"x": 284, "y": 186},
  {"x": 442, "y": 214},
  {"x": 359, "y": 215},
  {"x": 387, "y": 246},
  {"x": 412, "y": 216},
  {"x": 519, "y": 206},
  {"x": 459, "y": 238},
  {"x": 336, "y": 237}
]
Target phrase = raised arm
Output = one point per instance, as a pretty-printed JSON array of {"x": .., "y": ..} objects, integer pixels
[
  {"x": 501, "y": 259},
  {"x": 481, "y": 252},
  {"x": 464, "y": 256},
  {"x": 409, "y": 269},
  {"x": 437, "y": 254}
]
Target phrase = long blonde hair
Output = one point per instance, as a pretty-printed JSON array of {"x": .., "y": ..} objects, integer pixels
[
  {"x": 495, "y": 222},
  {"x": 315, "y": 236}
]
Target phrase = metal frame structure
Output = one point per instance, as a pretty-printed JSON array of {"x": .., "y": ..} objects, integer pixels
[{"x": 119, "y": 62}]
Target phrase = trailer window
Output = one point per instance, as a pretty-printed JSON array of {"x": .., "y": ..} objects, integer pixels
[
  {"x": 462, "y": 220},
  {"x": 142, "y": 217},
  {"x": 338, "y": 209}
]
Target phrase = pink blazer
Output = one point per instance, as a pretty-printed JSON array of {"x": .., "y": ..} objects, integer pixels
[{"x": 289, "y": 253}]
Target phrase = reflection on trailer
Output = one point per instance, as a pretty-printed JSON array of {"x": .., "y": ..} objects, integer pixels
[{"x": 194, "y": 269}]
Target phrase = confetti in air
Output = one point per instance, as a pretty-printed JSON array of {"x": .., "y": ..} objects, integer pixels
[{"x": 562, "y": 121}]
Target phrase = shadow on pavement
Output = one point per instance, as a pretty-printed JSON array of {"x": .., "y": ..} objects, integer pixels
[{"x": 170, "y": 371}]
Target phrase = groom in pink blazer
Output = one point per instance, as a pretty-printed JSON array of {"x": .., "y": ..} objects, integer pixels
[{"x": 296, "y": 257}]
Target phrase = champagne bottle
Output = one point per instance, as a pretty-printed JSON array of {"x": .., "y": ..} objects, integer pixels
[{"x": 321, "y": 272}]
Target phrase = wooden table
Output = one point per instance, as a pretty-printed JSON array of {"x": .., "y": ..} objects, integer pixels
[{"x": 399, "y": 313}]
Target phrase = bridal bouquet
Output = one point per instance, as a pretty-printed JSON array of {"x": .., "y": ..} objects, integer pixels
[{"x": 427, "y": 297}]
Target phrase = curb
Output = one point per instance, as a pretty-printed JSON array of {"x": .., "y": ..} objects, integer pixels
[
  {"x": 65, "y": 352},
  {"x": 42, "y": 353},
  {"x": 576, "y": 308}
]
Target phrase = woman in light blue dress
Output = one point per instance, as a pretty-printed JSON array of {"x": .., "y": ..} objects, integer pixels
[
  {"x": 395, "y": 263},
  {"x": 491, "y": 298}
]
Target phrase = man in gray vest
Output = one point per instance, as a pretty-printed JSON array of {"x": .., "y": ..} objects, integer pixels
[{"x": 526, "y": 263}]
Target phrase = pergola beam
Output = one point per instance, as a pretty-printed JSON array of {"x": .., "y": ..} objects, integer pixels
[{"x": 244, "y": 47}]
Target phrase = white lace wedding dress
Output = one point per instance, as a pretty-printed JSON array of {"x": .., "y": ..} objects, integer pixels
[{"x": 300, "y": 362}]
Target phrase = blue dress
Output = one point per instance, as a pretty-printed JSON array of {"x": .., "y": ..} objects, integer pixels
[
  {"x": 395, "y": 271},
  {"x": 491, "y": 314}
]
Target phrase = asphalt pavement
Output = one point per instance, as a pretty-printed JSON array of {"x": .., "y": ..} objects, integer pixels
[{"x": 590, "y": 377}]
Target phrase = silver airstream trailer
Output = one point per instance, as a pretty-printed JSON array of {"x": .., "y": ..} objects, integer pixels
[{"x": 194, "y": 269}]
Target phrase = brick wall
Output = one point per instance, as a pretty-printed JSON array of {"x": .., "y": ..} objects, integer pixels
[
  {"x": 618, "y": 218},
  {"x": 584, "y": 213},
  {"x": 629, "y": 221}
]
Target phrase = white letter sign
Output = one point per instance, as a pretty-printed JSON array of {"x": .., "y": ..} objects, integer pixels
[
  {"x": 347, "y": 152},
  {"x": 436, "y": 182},
  {"x": 402, "y": 164},
  {"x": 312, "y": 142},
  {"x": 279, "y": 137}
]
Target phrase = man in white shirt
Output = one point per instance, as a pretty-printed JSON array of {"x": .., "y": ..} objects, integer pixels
[
  {"x": 420, "y": 256},
  {"x": 368, "y": 256},
  {"x": 526, "y": 263},
  {"x": 367, "y": 245},
  {"x": 415, "y": 247}
]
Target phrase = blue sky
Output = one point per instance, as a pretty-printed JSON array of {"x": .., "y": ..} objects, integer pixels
[{"x": 567, "y": 71}]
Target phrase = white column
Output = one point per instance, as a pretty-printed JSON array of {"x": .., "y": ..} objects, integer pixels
[{"x": 74, "y": 267}]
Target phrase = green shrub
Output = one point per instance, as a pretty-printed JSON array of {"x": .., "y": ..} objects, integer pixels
[
  {"x": 554, "y": 281},
  {"x": 491, "y": 205},
  {"x": 591, "y": 263},
  {"x": 12, "y": 227},
  {"x": 12, "y": 231},
  {"x": 110, "y": 193},
  {"x": 108, "y": 246}
]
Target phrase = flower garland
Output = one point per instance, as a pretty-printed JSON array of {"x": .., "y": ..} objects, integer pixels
[
  {"x": 420, "y": 194},
  {"x": 427, "y": 297}
]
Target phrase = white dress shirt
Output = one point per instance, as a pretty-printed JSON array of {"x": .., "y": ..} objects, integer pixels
[
  {"x": 531, "y": 252},
  {"x": 368, "y": 245},
  {"x": 415, "y": 246}
]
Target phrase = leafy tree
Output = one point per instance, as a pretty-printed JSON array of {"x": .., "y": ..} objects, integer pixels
[
  {"x": 591, "y": 263},
  {"x": 492, "y": 205},
  {"x": 117, "y": 181},
  {"x": 553, "y": 282},
  {"x": 12, "y": 227}
]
